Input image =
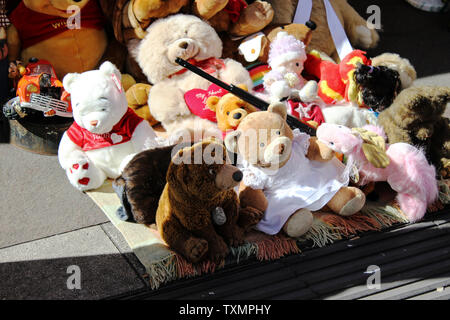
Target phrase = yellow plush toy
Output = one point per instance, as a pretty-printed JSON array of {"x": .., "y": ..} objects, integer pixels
[
  {"x": 230, "y": 110},
  {"x": 48, "y": 30}
]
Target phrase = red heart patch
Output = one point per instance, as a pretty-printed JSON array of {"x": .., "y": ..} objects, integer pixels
[
  {"x": 196, "y": 101},
  {"x": 84, "y": 181}
]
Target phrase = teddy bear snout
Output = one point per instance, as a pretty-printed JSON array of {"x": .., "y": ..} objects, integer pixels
[
  {"x": 278, "y": 151},
  {"x": 228, "y": 177},
  {"x": 183, "y": 48}
]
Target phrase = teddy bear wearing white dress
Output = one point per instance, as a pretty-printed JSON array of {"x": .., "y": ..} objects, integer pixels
[
  {"x": 190, "y": 38},
  {"x": 106, "y": 133}
]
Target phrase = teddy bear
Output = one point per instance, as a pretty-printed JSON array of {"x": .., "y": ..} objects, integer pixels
[
  {"x": 198, "y": 210},
  {"x": 230, "y": 110},
  {"x": 296, "y": 173},
  {"x": 417, "y": 117},
  {"x": 236, "y": 17},
  {"x": 48, "y": 30},
  {"x": 105, "y": 134},
  {"x": 355, "y": 26},
  {"x": 137, "y": 97},
  {"x": 176, "y": 92}
]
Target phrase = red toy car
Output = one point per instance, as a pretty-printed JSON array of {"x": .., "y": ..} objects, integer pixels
[{"x": 39, "y": 89}]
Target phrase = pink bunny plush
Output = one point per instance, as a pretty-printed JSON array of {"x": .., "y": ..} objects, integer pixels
[{"x": 401, "y": 165}]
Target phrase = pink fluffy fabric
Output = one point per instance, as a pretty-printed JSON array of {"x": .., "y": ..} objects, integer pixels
[
  {"x": 285, "y": 44},
  {"x": 408, "y": 173}
]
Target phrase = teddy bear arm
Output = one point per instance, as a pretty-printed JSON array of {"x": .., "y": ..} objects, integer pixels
[
  {"x": 166, "y": 102},
  {"x": 144, "y": 137},
  {"x": 235, "y": 73},
  {"x": 355, "y": 26},
  {"x": 69, "y": 153},
  {"x": 206, "y": 9},
  {"x": 13, "y": 41},
  {"x": 318, "y": 151},
  {"x": 194, "y": 218}
]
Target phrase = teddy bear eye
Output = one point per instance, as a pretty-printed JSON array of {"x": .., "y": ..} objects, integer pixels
[
  {"x": 278, "y": 132},
  {"x": 212, "y": 172},
  {"x": 331, "y": 143},
  {"x": 262, "y": 144},
  {"x": 228, "y": 113},
  {"x": 297, "y": 64}
]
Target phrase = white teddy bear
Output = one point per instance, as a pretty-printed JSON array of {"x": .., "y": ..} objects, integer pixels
[
  {"x": 106, "y": 133},
  {"x": 178, "y": 94}
]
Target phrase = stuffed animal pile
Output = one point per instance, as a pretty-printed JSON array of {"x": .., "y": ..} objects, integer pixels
[{"x": 174, "y": 169}]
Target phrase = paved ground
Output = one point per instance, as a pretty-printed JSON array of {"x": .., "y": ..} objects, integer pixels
[{"x": 46, "y": 226}]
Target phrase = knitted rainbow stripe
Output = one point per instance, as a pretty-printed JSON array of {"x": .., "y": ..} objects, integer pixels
[{"x": 257, "y": 72}]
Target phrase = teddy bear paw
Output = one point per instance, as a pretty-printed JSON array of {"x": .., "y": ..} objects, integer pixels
[
  {"x": 249, "y": 217},
  {"x": 367, "y": 38},
  {"x": 299, "y": 223},
  {"x": 196, "y": 249},
  {"x": 254, "y": 18},
  {"x": 83, "y": 175},
  {"x": 234, "y": 236},
  {"x": 218, "y": 250}
]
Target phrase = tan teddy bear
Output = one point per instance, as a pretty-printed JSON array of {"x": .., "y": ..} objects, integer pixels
[
  {"x": 354, "y": 25},
  {"x": 296, "y": 173},
  {"x": 235, "y": 16}
]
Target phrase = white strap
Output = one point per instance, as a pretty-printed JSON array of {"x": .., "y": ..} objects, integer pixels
[{"x": 340, "y": 39}]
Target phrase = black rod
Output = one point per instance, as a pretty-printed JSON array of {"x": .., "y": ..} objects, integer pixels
[{"x": 246, "y": 96}]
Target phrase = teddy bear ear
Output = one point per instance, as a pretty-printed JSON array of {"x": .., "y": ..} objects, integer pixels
[
  {"x": 231, "y": 141},
  {"x": 243, "y": 86},
  {"x": 109, "y": 69},
  {"x": 69, "y": 80},
  {"x": 212, "y": 102},
  {"x": 278, "y": 108}
]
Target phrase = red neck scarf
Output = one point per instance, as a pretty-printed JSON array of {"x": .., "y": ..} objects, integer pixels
[
  {"x": 34, "y": 27},
  {"x": 210, "y": 65}
]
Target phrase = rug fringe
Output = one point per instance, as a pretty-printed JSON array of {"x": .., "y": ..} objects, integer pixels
[
  {"x": 162, "y": 271},
  {"x": 321, "y": 234}
]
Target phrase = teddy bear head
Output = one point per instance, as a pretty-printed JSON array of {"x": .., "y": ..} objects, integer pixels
[
  {"x": 263, "y": 138},
  {"x": 230, "y": 110},
  {"x": 148, "y": 9},
  {"x": 57, "y": 8},
  {"x": 178, "y": 36},
  {"x": 97, "y": 97},
  {"x": 202, "y": 170}
]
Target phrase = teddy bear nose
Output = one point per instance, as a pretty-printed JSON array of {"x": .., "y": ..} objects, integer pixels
[
  {"x": 237, "y": 116},
  {"x": 94, "y": 123},
  {"x": 237, "y": 176},
  {"x": 183, "y": 45},
  {"x": 281, "y": 149}
]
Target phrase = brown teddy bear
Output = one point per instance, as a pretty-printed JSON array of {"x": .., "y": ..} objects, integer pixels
[
  {"x": 236, "y": 17},
  {"x": 296, "y": 173},
  {"x": 229, "y": 109},
  {"x": 355, "y": 26},
  {"x": 198, "y": 210},
  {"x": 416, "y": 117}
]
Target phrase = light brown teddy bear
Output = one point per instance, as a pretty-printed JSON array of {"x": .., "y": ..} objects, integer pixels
[
  {"x": 234, "y": 16},
  {"x": 198, "y": 210},
  {"x": 230, "y": 110},
  {"x": 176, "y": 92},
  {"x": 296, "y": 173},
  {"x": 355, "y": 26}
]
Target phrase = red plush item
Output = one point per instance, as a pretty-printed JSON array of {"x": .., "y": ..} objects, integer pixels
[
  {"x": 120, "y": 133},
  {"x": 336, "y": 80}
]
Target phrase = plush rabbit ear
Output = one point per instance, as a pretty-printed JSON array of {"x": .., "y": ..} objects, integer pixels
[
  {"x": 109, "y": 69},
  {"x": 69, "y": 80},
  {"x": 231, "y": 141},
  {"x": 374, "y": 147}
]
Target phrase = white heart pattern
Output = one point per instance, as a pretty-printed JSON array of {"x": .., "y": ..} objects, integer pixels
[{"x": 115, "y": 138}]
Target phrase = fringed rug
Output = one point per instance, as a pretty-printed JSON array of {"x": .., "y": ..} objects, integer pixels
[{"x": 163, "y": 265}]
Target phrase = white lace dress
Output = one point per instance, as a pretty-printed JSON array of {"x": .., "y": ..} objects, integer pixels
[{"x": 300, "y": 183}]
